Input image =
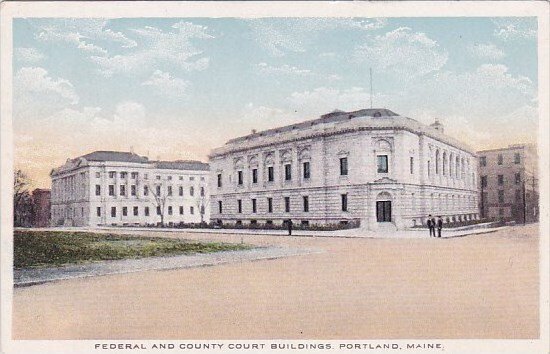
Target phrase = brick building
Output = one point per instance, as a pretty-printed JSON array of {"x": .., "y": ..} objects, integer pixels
[
  {"x": 41, "y": 207},
  {"x": 373, "y": 166},
  {"x": 508, "y": 183}
]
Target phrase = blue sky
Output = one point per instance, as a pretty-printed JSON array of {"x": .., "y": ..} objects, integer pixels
[{"x": 175, "y": 88}]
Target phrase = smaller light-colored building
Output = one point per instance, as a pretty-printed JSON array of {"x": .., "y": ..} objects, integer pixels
[
  {"x": 508, "y": 181},
  {"x": 125, "y": 189}
]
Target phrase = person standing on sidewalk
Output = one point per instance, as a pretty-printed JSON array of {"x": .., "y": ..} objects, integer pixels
[
  {"x": 431, "y": 225},
  {"x": 289, "y": 225},
  {"x": 439, "y": 226}
]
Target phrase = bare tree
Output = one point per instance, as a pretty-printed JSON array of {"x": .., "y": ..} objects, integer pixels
[
  {"x": 159, "y": 200},
  {"x": 201, "y": 205},
  {"x": 22, "y": 200}
]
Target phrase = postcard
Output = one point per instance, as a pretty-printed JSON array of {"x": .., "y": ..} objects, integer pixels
[{"x": 284, "y": 177}]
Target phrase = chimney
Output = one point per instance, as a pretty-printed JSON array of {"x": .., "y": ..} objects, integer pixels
[
  {"x": 437, "y": 126},
  {"x": 253, "y": 131}
]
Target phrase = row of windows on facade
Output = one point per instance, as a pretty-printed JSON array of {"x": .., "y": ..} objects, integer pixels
[
  {"x": 170, "y": 211},
  {"x": 269, "y": 200},
  {"x": 382, "y": 162},
  {"x": 133, "y": 190},
  {"x": 500, "y": 180},
  {"x": 500, "y": 159},
  {"x": 518, "y": 196},
  {"x": 135, "y": 175},
  {"x": 459, "y": 166},
  {"x": 125, "y": 211}
]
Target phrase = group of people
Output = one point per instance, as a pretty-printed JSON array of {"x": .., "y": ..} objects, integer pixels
[{"x": 432, "y": 224}]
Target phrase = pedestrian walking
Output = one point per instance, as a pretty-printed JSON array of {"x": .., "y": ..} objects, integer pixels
[
  {"x": 431, "y": 225},
  {"x": 439, "y": 226},
  {"x": 289, "y": 225}
]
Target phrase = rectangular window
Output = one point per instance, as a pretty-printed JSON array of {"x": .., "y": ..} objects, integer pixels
[
  {"x": 122, "y": 189},
  {"x": 306, "y": 203},
  {"x": 192, "y": 191},
  {"x": 240, "y": 177},
  {"x": 500, "y": 180},
  {"x": 239, "y": 206},
  {"x": 220, "y": 207},
  {"x": 191, "y": 178},
  {"x": 169, "y": 178},
  {"x": 429, "y": 167},
  {"x": 97, "y": 174},
  {"x": 180, "y": 178},
  {"x": 254, "y": 205},
  {"x": 158, "y": 209},
  {"x": 501, "y": 196},
  {"x": 134, "y": 175},
  {"x": 97, "y": 189},
  {"x": 170, "y": 211},
  {"x": 146, "y": 211},
  {"x": 483, "y": 161},
  {"x": 287, "y": 204},
  {"x": 181, "y": 210},
  {"x": 499, "y": 159},
  {"x": 113, "y": 212},
  {"x": 483, "y": 181},
  {"x": 124, "y": 211},
  {"x": 518, "y": 195},
  {"x": 112, "y": 174},
  {"x": 382, "y": 163},
  {"x": 306, "y": 170},
  {"x": 169, "y": 191},
  {"x": 191, "y": 210},
  {"x": 123, "y": 174},
  {"x": 343, "y": 166},
  {"x": 145, "y": 176},
  {"x": 98, "y": 211},
  {"x": 288, "y": 172},
  {"x": 158, "y": 190},
  {"x": 270, "y": 174},
  {"x": 517, "y": 158},
  {"x": 145, "y": 190},
  {"x": 412, "y": 165},
  {"x": 133, "y": 189},
  {"x": 136, "y": 211},
  {"x": 180, "y": 191},
  {"x": 157, "y": 176},
  {"x": 254, "y": 175},
  {"x": 344, "y": 199},
  {"x": 202, "y": 191},
  {"x": 270, "y": 205},
  {"x": 518, "y": 178},
  {"x": 219, "y": 180},
  {"x": 111, "y": 189}
]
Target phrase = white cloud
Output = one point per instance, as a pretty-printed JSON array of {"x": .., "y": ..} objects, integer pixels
[
  {"x": 515, "y": 28},
  {"x": 166, "y": 85},
  {"x": 158, "y": 47},
  {"x": 80, "y": 33},
  {"x": 35, "y": 80},
  {"x": 285, "y": 69},
  {"x": 28, "y": 55},
  {"x": 402, "y": 52},
  {"x": 486, "y": 51},
  {"x": 279, "y": 36}
]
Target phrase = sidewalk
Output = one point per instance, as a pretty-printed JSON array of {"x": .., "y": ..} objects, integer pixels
[
  {"x": 35, "y": 276},
  {"x": 349, "y": 233}
]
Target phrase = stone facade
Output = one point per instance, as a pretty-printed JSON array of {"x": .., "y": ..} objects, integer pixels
[
  {"x": 509, "y": 183},
  {"x": 371, "y": 166},
  {"x": 122, "y": 188}
]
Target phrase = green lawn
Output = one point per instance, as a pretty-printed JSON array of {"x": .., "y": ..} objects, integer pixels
[{"x": 53, "y": 248}]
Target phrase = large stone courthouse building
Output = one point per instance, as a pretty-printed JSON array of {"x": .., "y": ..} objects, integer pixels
[
  {"x": 509, "y": 183},
  {"x": 371, "y": 166},
  {"x": 123, "y": 188}
]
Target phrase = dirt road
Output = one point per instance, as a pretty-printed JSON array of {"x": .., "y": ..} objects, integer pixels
[{"x": 483, "y": 286}]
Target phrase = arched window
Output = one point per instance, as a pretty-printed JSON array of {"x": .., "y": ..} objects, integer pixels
[
  {"x": 191, "y": 191},
  {"x": 451, "y": 165},
  {"x": 437, "y": 162},
  {"x": 444, "y": 163},
  {"x": 457, "y": 167}
]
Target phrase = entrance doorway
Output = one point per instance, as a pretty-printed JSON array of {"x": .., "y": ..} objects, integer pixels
[{"x": 383, "y": 211}]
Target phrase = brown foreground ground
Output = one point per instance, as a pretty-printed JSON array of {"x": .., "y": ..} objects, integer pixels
[{"x": 483, "y": 286}]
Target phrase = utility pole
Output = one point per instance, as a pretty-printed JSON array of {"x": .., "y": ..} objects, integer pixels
[
  {"x": 524, "y": 203},
  {"x": 370, "y": 71}
]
